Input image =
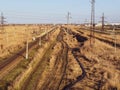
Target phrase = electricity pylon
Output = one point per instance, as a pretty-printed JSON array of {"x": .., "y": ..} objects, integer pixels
[
  {"x": 2, "y": 21},
  {"x": 92, "y": 22}
]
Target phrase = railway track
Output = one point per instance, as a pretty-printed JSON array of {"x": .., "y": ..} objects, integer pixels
[
  {"x": 11, "y": 62},
  {"x": 54, "y": 78},
  {"x": 20, "y": 53},
  {"x": 101, "y": 32},
  {"x": 110, "y": 42},
  {"x": 99, "y": 82},
  {"x": 39, "y": 70}
]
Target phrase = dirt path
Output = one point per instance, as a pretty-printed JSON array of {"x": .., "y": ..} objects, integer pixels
[{"x": 55, "y": 76}]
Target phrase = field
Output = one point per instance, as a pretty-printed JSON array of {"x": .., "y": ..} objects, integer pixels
[
  {"x": 66, "y": 59},
  {"x": 14, "y": 37}
]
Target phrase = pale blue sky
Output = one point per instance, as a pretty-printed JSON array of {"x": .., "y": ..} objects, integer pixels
[{"x": 55, "y": 11}]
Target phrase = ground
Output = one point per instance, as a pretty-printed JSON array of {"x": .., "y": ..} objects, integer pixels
[{"x": 65, "y": 60}]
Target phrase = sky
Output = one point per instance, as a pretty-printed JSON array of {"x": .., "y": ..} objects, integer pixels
[{"x": 55, "y": 11}]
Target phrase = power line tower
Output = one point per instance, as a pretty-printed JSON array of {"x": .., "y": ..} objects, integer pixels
[
  {"x": 103, "y": 21},
  {"x": 114, "y": 38},
  {"x": 92, "y": 21},
  {"x": 68, "y": 20},
  {"x": 2, "y": 21},
  {"x": 68, "y": 17}
]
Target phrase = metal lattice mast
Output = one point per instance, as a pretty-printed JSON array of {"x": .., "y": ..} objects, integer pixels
[
  {"x": 103, "y": 22},
  {"x": 68, "y": 19},
  {"x": 115, "y": 38},
  {"x": 2, "y": 21},
  {"x": 92, "y": 21}
]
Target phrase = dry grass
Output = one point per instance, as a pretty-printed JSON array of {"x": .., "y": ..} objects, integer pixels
[
  {"x": 103, "y": 64},
  {"x": 14, "y": 38},
  {"x": 20, "y": 80},
  {"x": 106, "y": 60}
]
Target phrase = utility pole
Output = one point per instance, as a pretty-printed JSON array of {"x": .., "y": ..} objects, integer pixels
[
  {"x": 115, "y": 38},
  {"x": 68, "y": 19},
  {"x": 40, "y": 43},
  {"x": 92, "y": 21},
  {"x": 14, "y": 33},
  {"x": 103, "y": 21},
  {"x": 2, "y": 20},
  {"x": 26, "y": 50},
  {"x": 27, "y": 44},
  {"x": 86, "y": 23},
  {"x": 46, "y": 32}
]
